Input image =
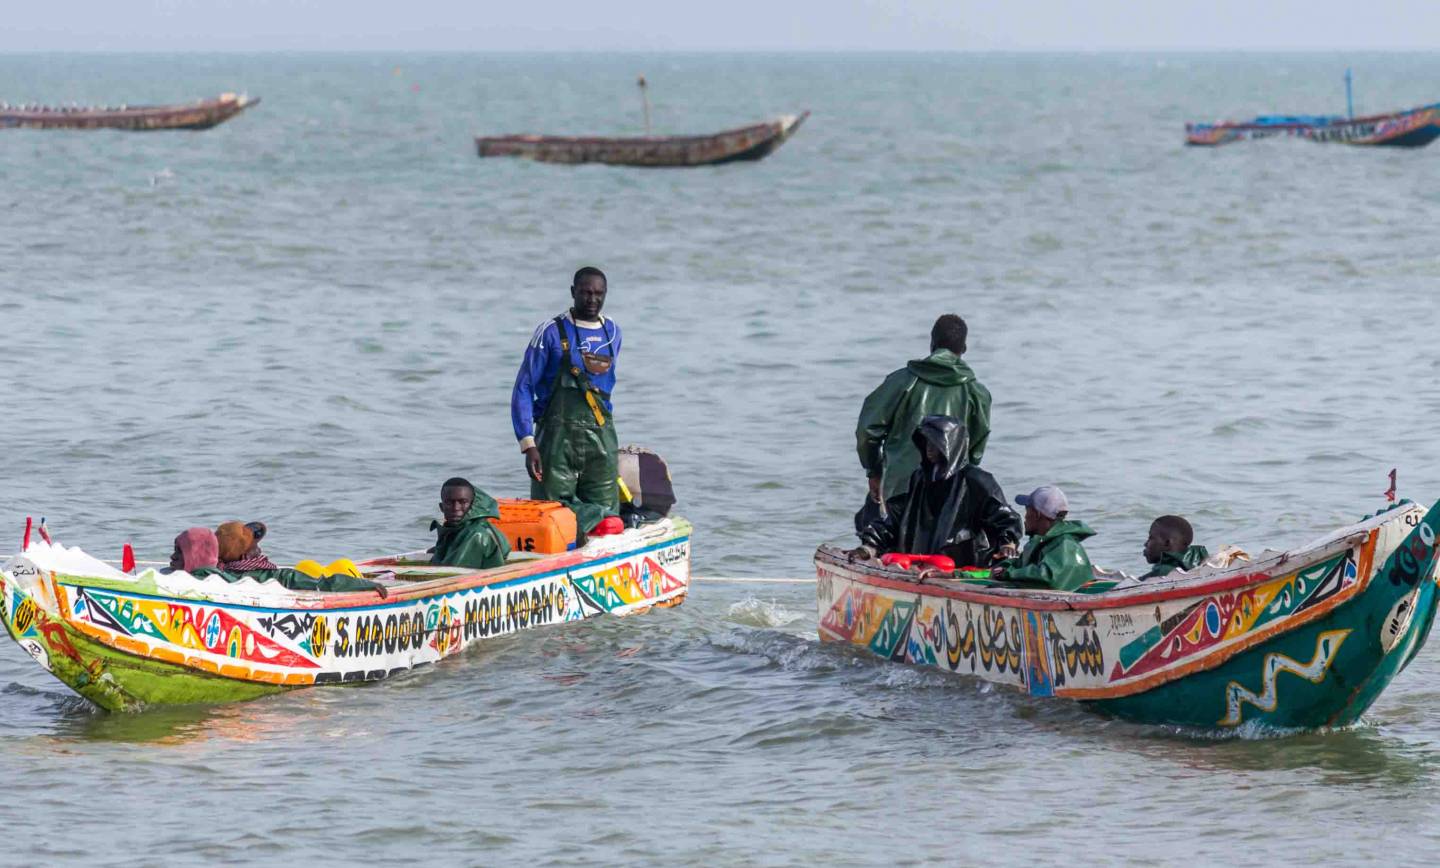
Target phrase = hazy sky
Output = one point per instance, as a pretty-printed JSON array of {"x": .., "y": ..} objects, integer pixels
[{"x": 651, "y": 25}]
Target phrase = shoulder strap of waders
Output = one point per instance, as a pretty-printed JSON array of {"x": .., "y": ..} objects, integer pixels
[{"x": 577, "y": 371}]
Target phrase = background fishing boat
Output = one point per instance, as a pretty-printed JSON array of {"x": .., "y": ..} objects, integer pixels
[
  {"x": 1410, "y": 128},
  {"x": 1294, "y": 640},
  {"x": 131, "y": 641},
  {"x": 743, "y": 143},
  {"x": 751, "y": 142},
  {"x": 199, "y": 115}
]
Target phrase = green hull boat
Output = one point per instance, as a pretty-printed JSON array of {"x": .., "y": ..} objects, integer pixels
[{"x": 1297, "y": 640}]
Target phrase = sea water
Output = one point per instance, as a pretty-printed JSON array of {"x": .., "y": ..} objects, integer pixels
[{"x": 312, "y": 315}]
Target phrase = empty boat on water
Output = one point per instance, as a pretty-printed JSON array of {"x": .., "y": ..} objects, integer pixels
[
  {"x": 743, "y": 143},
  {"x": 1411, "y": 128},
  {"x": 199, "y": 115}
]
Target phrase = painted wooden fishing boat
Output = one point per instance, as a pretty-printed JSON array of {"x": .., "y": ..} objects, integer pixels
[
  {"x": 745, "y": 143},
  {"x": 129, "y": 641},
  {"x": 1413, "y": 128},
  {"x": 199, "y": 115},
  {"x": 1292, "y": 640}
]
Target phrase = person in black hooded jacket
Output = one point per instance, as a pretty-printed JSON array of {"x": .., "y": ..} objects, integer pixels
[{"x": 951, "y": 507}]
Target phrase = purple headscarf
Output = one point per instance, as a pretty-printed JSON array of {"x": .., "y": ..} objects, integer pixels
[{"x": 199, "y": 547}]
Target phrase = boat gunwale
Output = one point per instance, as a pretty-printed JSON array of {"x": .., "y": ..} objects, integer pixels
[
  {"x": 441, "y": 586},
  {"x": 1240, "y": 576}
]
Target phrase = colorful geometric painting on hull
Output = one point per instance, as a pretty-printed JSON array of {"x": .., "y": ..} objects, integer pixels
[
  {"x": 127, "y": 642},
  {"x": 1292, "y": 640},
  {"x": 1412, "y": 128}
]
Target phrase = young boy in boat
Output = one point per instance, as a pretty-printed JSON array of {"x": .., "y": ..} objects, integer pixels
[
  {"x": 1053, "y": 555},
  {"x": 941, "y": 384},
  {"x": 951, "y": 507},
  {"x": 1169, "y": 548},
  {"x": 466, "y": 538}
]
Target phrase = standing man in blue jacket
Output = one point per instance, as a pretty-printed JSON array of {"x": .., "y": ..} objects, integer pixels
[{"x": 561, "y": 407}]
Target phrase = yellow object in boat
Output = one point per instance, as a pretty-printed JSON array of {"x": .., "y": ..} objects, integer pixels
[{"x": 337, "y": 567}]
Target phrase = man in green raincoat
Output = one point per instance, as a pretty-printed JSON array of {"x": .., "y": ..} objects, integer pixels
[
  {"x": 560, "y": 407},
  {"x": 938, "y": 385},
  {"x": 1168, "y": 547},
  {"x": 1053, "y": 555},
  {"x": 467, "y": 538}
]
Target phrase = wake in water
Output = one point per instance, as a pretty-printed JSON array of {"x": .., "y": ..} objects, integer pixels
[{"x": 755, "y": 612}]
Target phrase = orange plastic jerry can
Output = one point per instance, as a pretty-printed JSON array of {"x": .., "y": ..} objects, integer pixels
[{"x": 540, "y": 526}]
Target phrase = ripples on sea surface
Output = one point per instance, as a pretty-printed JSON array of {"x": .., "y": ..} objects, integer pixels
[{"x": 312, "y": 315}]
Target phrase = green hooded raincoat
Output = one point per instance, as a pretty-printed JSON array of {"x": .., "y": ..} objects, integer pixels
[
  {"x": 938, "y": 385},
  {"x": 474, "y": 542},
  {"x": 1055, "y": 558},
  {"x": 1188, "y": 559}
]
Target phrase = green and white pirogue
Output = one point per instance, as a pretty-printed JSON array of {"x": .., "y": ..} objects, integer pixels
[{"x": 1302, "y": 639}]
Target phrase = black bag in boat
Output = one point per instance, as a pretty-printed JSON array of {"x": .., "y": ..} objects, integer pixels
[{"x": 647, "y": 479}]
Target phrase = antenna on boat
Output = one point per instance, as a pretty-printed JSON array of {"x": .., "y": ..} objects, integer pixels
[
  {"x": 1349, "y": 96},
  {"x": 645, "y": 101}
]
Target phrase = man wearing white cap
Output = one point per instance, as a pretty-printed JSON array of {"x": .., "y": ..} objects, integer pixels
[{"x": 1053, "y": 554}]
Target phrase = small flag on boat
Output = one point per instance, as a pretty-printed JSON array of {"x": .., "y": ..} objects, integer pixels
[
  {"x": 44, "y": 534},
  {"x": 1390, "y": 492},
  {"x": 127, "y": 558},
  {"x": 25, "y": 543}
]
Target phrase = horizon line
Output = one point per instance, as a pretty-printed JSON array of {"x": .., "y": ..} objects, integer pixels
[{"x": 682, "y": 51}]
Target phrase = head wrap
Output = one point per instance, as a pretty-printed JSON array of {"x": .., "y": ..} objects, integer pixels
[
  {"x": 235, "y": 540},
  {"x": 198, "y": 548}
]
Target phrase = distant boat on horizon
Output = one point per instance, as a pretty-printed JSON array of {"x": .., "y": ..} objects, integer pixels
[
  {"x": 649, "y": 151},
  {"x": 743, "y": 143},
  {"x": 1410, "y": 128},
  {"x": 199, "y": 115}
]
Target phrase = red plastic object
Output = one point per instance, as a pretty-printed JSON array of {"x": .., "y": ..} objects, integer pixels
[
  {"x": 127, "y": 558},
  {"x": 609, "y": 525},
  {"x": 906, "y": 561},
  {"x": 25, "y": 544}
]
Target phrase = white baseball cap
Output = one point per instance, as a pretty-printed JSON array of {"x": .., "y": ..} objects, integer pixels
[{"x": 1048, "y": 500}]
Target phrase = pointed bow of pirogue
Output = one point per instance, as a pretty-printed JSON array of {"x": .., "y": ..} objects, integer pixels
[
  {"x": 743, "y": 143},
  {"x": 199, "y": 115}
]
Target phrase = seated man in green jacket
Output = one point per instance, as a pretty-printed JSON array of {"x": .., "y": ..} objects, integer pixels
[
  {"x": 1168, "y": 548},
  {"x": 1053, "y": 554},
  {"x": 467, "y": 538}
]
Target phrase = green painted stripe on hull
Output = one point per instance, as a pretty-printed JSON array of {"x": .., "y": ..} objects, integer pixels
[{"x": 117, "y": 681}]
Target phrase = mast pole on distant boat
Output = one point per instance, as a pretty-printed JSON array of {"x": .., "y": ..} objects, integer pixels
[
  {"x": 1349, "y": 96},
  {"x": 644, "y": 101}
]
